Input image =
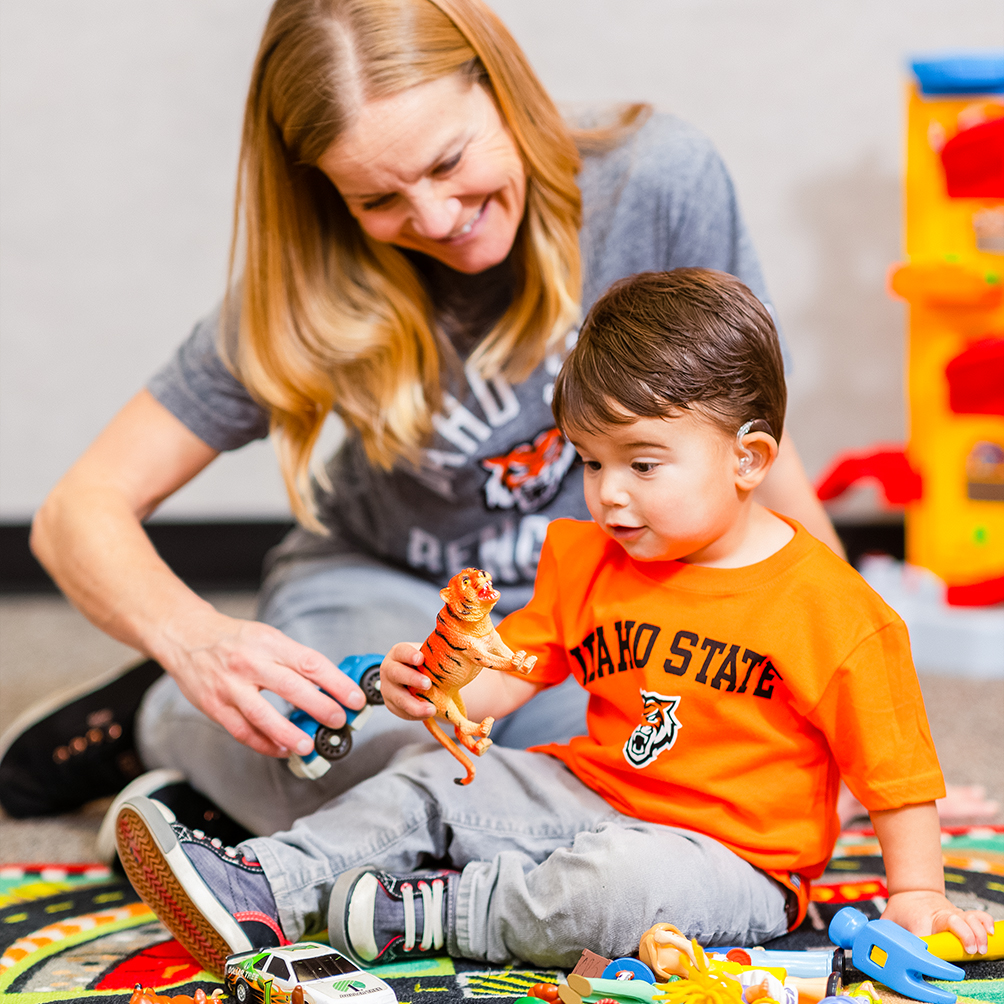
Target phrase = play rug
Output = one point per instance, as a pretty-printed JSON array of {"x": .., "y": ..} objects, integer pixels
[{"x": 79, "y": 933}]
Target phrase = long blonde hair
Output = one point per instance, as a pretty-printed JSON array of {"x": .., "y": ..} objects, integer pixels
[{"x": 331, "y": 319}]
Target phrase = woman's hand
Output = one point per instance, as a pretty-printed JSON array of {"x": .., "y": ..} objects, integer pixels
[
  {"x": 922, "y": 913},
  {"x": 89, "y": 536},
  {"x": 224, "y": 664},
  {"x": 397, "y": 675}
]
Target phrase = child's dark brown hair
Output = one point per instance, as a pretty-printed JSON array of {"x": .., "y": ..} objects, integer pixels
[{"x": 657, "y": 343}]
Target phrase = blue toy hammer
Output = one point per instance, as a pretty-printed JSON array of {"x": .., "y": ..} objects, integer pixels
[{"x": 893, "y": 956}]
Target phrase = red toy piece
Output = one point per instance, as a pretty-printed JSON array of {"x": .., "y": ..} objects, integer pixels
[
  {"x": 976, "y": 378},
  {"x": 900, "y": 482},
  {"x": 977, "y": 594},
  {"x": 974, "y": 162}
]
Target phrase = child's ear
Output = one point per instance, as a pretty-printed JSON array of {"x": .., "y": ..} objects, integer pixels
[{"x": 756, "y": 453}]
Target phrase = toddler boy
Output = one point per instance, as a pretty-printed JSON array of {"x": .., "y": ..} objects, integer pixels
[{"x": 736, "y": 670}]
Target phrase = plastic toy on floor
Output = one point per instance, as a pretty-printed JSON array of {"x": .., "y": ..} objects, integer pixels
[
  {"x": 948, "y": 947},
  {"x": 309, "y": 971},
  {"x": 144, "y": 995},
  {"x": 891, "y": 954},
  {"x": 463, "y": 643},
  {"x": 669, "y": 953},
  {"x": 333, "y": 744}
]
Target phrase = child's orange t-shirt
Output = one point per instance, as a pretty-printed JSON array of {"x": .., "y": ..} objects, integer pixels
[{"x": 730, "y": 701}]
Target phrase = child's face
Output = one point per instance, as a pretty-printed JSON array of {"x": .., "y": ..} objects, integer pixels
[{"x": 664, "y": 488}]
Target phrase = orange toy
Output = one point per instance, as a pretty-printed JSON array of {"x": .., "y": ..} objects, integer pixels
[
  {"x": 951, "y": 474},
  {"x": 465, "y": 642},
  {"x": 144, "y": 995}
]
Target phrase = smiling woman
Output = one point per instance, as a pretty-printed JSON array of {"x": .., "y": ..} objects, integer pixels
[{"x": 418, "y": 233}]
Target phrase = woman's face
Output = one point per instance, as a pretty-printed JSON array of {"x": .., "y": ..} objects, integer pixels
[{"x": 433, "y": 169}]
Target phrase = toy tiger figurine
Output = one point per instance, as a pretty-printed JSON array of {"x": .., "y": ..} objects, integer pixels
[{"x": 465, "y": 642}]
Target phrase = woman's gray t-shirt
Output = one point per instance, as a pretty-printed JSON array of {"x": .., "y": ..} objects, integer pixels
[{"x": 496, "y": 471}]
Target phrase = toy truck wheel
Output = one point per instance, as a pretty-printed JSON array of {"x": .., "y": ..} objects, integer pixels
[
  {"x": 242, "y": 992},
  {"x": 333, "y": 744},
  {"x": 369, "y": 683}
]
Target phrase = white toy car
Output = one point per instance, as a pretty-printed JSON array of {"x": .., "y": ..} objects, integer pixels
[{"x": 270, "y": 975}]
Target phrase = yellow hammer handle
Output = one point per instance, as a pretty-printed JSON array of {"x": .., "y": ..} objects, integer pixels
[{"x": 948, "y": 947}]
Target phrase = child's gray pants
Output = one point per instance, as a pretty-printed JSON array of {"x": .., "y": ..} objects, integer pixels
[{"x": 548, "y": 867}]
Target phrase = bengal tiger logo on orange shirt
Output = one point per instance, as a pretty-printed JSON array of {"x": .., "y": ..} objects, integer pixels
[
  {"x": 530, "y": 474},
  {"x": 658, "y": 733}
]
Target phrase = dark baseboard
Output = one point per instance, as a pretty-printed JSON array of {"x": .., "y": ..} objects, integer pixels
[
  {"x": 208, "y": 556},
  {"x": 860, "y": 539},
  {"x": 222, "y": 556}
]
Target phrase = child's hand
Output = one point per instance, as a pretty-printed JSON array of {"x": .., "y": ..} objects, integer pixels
[
  {"x": 397, "y": 674},
  {"x": 924, "y": 913}
]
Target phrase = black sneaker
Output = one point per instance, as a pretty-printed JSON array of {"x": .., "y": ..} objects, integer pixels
[
  {"x": 179, "y": 803},
  {"x": 76, "y": 746},
  {"x": 375, "y": 917},
  {"x": 215, "y": 900}
]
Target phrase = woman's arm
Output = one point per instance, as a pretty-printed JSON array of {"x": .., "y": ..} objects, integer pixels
[
  {"x": 911, "y": 849},
  {"x": 787, "y": 490},
  {"x": 89, "y": 537}
]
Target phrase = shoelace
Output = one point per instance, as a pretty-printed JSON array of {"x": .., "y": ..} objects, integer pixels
[
  {"x": 432, "y": 910},
  {"x": 230, "y": 852}
]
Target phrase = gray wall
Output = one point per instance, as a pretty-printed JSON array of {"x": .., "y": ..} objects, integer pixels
[{"x": 119, "y": 125}]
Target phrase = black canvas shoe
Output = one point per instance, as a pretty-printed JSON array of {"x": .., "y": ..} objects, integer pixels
[
  {"x": 179, "y": 802},
  {"x": 376, "y": 918},
  {"x": 75, "y": 746},
  {"x": 215, "y": 900}
]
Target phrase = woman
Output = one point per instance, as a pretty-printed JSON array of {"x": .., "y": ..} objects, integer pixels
[{"x": 418, "y": 234}]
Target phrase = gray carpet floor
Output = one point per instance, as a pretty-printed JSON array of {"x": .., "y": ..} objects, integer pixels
[{"x": 46, "y": 645}]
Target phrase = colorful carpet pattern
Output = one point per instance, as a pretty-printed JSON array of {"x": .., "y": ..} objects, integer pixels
[{"x": 77, "y": 933}]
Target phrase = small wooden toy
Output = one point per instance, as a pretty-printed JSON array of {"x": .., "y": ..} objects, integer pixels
[
  {"x": 463, "y": 643},
  {"x": 891, "y": 954},
  {"x": 590, "y": 964}
]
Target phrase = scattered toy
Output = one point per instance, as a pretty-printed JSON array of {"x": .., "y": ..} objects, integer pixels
[
  {"x": 948, "y": 947},
  {"x": 891, "y": 954},
  {"x": 628, "y": 969},
  {"x": 700, "y": 985},
  {"x": 579, "y": 988},
  {"x": 332, "y": 744},
  {"x": 669, "y": 953},
  {"x": 463, "y": 643},
  {"x": 590, "y": 964},
  {"x": 801, "y": 964},
  {"x": 287, "y": 975},
  {"x": 145, "y": 995},
  {"x": 544, "y": 991}
]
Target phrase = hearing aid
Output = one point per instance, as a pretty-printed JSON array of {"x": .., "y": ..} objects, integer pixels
[{"x": 746, "y": 457}]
